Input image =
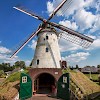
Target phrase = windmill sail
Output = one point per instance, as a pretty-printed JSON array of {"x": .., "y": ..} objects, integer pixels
[
  {"x": 68, "y": 34},
  {"x": 26, "y": 11},
  {"x": 74, "y": 36},
  {"x": 74, "y": 39},
  {"x": 20, "y": 47},
  {"x": 30, "y": 14},
  {"x": 56, "y": 9},
  {"x": 61, "y": 27}
]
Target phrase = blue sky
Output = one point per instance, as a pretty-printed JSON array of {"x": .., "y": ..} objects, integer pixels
[{"x": 82, "y": 16}]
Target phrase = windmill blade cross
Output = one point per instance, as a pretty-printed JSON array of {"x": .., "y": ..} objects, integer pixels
[
  {"x": 51, "y": 15},
  {"x": 33, "y": 35},
  {"x": 61, "y": 27}
]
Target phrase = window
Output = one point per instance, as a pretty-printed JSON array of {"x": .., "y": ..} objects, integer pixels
[
  {"x": 38, "y": 62},
  {"x": 47, "y": 49},
  {"x": 46, "y": 37}
]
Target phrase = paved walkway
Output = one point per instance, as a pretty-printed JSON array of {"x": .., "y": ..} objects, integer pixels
[{"x": 42, "y": 97}]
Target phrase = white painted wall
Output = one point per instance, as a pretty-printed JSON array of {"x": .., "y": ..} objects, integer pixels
[{"x": 51, "y": 58}]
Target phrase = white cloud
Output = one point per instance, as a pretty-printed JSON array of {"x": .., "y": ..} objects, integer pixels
[
  {"x": 84, "y": 19},
  {"x": 50, "y": 7},
  {"x": 91, "y": 36},
  {"x": 33, "y": 44},
  {"x": 4, "y": 57},
  {"x": 97, "y": 6},
  {"x": 96, "y": 25},
  {"x": 72, "y": 7},
  {"x": 76, "y": 57},
  {"x": 95, "y": 44},
  {"x": 10, "y": 60},
  {"x": 78, "y": 10},
  {"x": 69, "y": 24},
  {"x": 27, "y": 62},
  {"x": 68, "y": 46},
  {"x": 4, "y": 50}
]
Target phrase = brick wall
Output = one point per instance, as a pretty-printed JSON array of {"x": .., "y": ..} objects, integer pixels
[{"x": 35, "y": 72}]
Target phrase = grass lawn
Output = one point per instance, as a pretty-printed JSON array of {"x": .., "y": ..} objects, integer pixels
[
  {"x": 14, "y": 77},
  {"x": 94, "y": 76},
  {"x": 8, "y": 87}
]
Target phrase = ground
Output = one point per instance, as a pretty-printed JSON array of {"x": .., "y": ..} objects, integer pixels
[
  {"x": 42, "y": 97},
  {"x": 10, "y": 86},
  {"x": 9, "y": 91}
]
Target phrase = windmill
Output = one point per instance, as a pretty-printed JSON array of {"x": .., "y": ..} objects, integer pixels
[
  {"x": 47, "y": 53},
  {"x": 46, "y": 64}
]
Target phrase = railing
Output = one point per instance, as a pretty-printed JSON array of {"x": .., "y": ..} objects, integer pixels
[{"x": 73, "y": 96}]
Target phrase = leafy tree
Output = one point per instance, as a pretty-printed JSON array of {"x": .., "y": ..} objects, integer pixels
[
  {"x": 1, "y": 72},
  {"x": 98, "y": 66},
  {"x": 1, "y": 67},
  {"x": 77, "y": 67},
  {"x": 6, "y": 67},
  {"x": 20, "y": 64}
]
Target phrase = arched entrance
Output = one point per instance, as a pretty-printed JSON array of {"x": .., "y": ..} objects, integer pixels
[{"x": 44, "y": 83}]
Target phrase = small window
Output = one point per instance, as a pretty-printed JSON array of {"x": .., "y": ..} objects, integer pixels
[
  {"x": 38, "y": 62},
  {"x": 47, "y": 49},
  {"x": 46, "y": 37}
]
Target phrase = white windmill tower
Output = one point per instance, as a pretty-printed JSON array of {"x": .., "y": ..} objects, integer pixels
[{"x": 47, "y": 55}]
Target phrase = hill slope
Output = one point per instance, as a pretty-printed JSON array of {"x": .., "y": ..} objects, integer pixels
[{"x": 81, "y": 84}]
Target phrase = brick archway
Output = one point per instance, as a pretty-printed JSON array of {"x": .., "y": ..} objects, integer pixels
[
  {"x": 44, "y": 82},
  {"x": 35, "y": 72}
]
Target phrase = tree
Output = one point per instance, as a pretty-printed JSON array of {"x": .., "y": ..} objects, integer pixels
[
  {"x": 20, "y": 64},
  {"x": 6, "y": 67},
  {"x": 1, "y": 67},
  {"x": 98, "y": 66},
  {"x": 1, "y": 72},
  {"x": 77, "y": 67}
]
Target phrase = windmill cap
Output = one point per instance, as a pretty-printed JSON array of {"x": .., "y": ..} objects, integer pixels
[{"x": 47, "y": 28}]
